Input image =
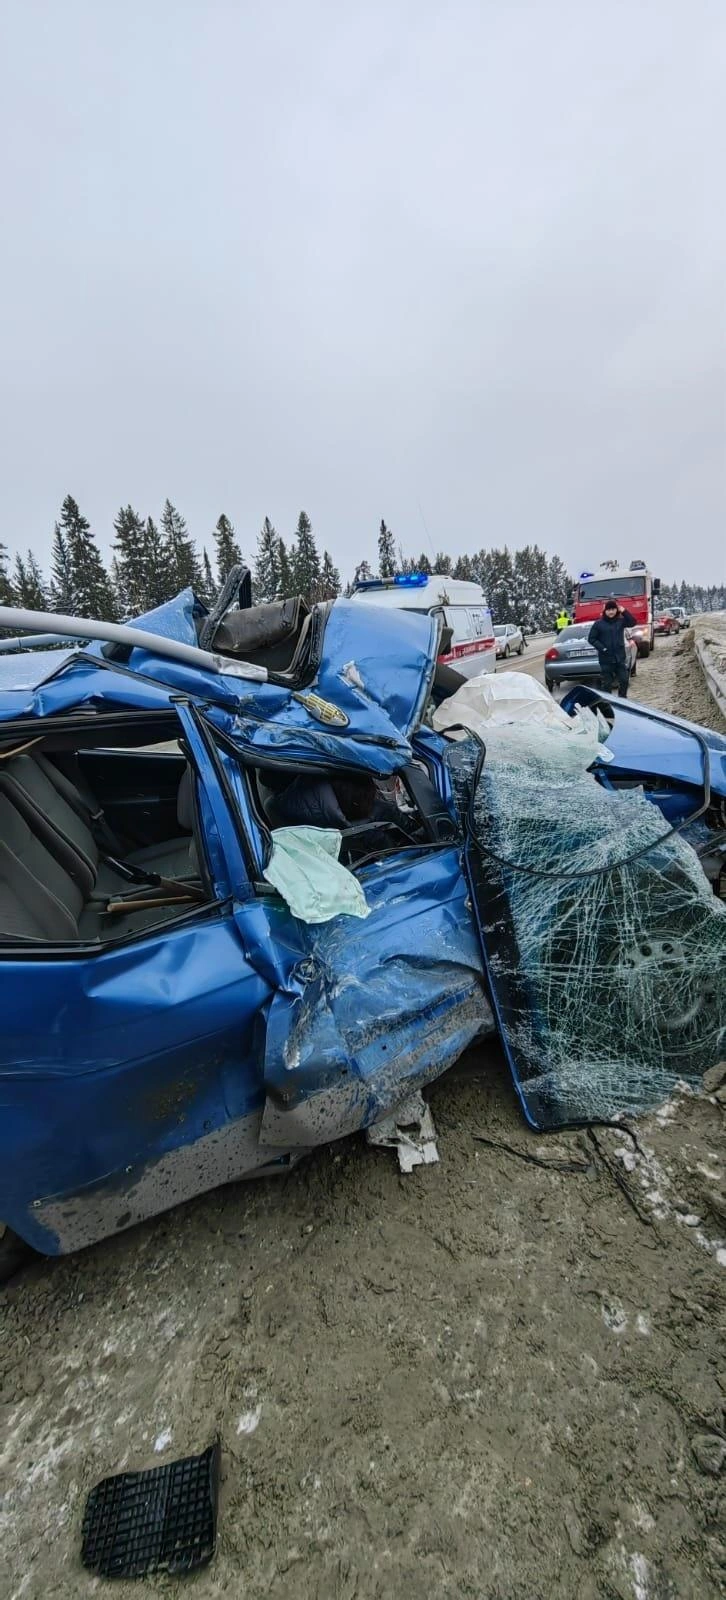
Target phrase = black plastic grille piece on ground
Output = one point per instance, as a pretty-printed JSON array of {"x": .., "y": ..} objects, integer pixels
[{"x": 163, "y": 1520}]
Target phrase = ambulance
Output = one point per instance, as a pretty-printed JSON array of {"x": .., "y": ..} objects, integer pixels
[{"x": 468, "y": 637}]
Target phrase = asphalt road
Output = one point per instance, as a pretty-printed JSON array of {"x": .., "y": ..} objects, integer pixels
[{"x": 533, "y": 659}]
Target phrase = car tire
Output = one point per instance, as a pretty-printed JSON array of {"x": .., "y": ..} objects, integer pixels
[
  {"x": 14, "y": 1253},
  {"x": 550, "y": 684},
  {"x": 506, "y": 652},
  {"x": 520, "y": 651}
]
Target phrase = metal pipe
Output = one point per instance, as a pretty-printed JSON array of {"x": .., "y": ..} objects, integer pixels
[
  {"x": 36, "y": 641},
  {"x": 135, "y": 638}
]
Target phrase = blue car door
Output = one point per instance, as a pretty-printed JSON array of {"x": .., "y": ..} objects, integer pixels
[{"x": 360, "y": 1011}]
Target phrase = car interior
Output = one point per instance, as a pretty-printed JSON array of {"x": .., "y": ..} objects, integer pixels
[
  {"x": 96, "y": 843},
  {"x": 375, "y": 817},
  {"x": 99, "y": 826}
]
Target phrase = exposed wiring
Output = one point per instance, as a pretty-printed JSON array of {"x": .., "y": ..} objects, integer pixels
[{"x": 590, "y": 872}]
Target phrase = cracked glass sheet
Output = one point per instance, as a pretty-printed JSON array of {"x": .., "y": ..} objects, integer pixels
[{"x": 610, "y": 989}]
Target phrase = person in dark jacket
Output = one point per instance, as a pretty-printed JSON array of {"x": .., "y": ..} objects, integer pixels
[{"x": 608, "y": 637}]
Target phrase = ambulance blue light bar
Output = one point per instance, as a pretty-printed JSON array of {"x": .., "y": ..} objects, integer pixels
[{"x": 402, "y": 580}]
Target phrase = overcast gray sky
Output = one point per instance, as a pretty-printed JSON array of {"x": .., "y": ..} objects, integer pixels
[{"x": 462, "y": 262}]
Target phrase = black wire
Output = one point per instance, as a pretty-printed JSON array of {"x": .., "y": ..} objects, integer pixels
[
  {"x": 591, "y": 872},
  {"x": 585, "y": 1125},
  {"x": 533, "y": 1161}
]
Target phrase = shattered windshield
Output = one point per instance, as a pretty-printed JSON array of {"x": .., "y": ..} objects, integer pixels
[{"x": 605, "y": 944}]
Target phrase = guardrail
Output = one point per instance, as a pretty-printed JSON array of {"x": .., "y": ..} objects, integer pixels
[{"x": 710, "y": 646}]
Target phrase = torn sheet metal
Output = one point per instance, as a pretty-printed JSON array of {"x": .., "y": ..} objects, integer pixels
[
  {"x": 370, "y": 1014},
  {"x": 410, "y": 1132}
]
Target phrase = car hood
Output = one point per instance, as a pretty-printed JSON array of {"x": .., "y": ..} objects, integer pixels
[
  {"x": 359, "y": 706},
  {"x": 651, "y": 744}
]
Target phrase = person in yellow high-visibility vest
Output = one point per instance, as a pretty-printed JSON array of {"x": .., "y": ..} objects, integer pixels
[{"x": 563, "y": 620}]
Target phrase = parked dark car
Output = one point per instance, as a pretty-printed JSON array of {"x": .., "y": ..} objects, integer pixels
[{"x": 572, "y": 657}]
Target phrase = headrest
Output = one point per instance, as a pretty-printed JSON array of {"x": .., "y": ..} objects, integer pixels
[{"x": 245, "y": 633}]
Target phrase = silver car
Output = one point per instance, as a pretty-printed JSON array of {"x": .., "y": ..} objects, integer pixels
[
  {"x": 572, "y": 656},
  {"x": 508, "y": 640}
]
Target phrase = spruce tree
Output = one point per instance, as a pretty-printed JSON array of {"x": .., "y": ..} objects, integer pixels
[
  {"x": 7, "y": 596},
  {"x": 159, "y": 586},
  {"x": 423, "y": 564},
  {"x": 61, "y": 588},
  {"x": 286, "y": 580},
  {"x": 463, "y": 569},
  {"x": 130, "y": 564},
  {"x": 362, "y": 573},
  {"x": 442, "y": 563},
  {"x": 29, "y": 585},
  {"x": 229, "y": 554},
  {"x": 90, "y": 586},
  {"x": 329, "y": 578},
  {"x": 386, "y": 552},
  {"x": 559, "y": 585},
  {"x": 209, "y": 588},
  {"x": 306, "y": 561},
  {"x": 182, "y": 562},
  {"x": 267, "y": 577}
]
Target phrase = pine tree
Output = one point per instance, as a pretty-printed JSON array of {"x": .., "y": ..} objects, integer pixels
[
  {"x": 7, "y": 596},
  {"x": 181, "y": 559},
  {"x": 306, "y": 561},
  {"x": 362, "y": 573},
  {"x": 559, "y": 585},
  {"x": 463, "y": 569},
  {"x": 159, "y": 585},
  {"x": 61, "y": 592},
  {"x": 130, "y": 563},
  {"x": 209, "y": 588},
  {"x": 29, "y": 586},
  {"x": 442, "y": 563},
  {"x": 229, "y": 554},
  {"x": 267, "y": 577},
  {"x": 91, "y": 590},
  {"x": 286, "y": 580},
  {"x": 329, "y": 578},
  {"x": 495, "y": 572},
  {"x": 423, "y": 564},
  {"x": 386, "y": 552}
]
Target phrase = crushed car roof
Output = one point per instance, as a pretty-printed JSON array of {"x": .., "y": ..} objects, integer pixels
[{"x": 362, "y": 701}]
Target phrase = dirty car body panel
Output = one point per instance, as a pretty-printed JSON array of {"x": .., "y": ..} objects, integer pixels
[{"x": 138, "y": 1071}]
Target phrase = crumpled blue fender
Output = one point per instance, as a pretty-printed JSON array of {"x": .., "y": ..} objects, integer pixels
[{"x": 365, "y": 1017}]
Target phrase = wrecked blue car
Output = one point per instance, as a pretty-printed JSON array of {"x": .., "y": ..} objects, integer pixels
[{"x": 172, "y": 1022}]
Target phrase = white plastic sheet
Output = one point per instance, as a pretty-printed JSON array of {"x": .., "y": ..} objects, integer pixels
[{"x": 519, "y": 721}]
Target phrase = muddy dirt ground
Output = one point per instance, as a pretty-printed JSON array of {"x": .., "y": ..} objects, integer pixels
[{"x": 491, "y": 1378}]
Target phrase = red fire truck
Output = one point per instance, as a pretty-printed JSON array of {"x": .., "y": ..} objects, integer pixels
[{"x": 635, "y": 589}]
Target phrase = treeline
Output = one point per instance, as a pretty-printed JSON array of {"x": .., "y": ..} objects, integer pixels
[
  {"x": 521, "y": 586},
  {"x": 151, "y": 562},
  {"x": 694, "y": 596}
]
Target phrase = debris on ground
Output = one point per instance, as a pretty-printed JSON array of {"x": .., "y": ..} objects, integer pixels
[{"x": 410, "y": 1132}]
